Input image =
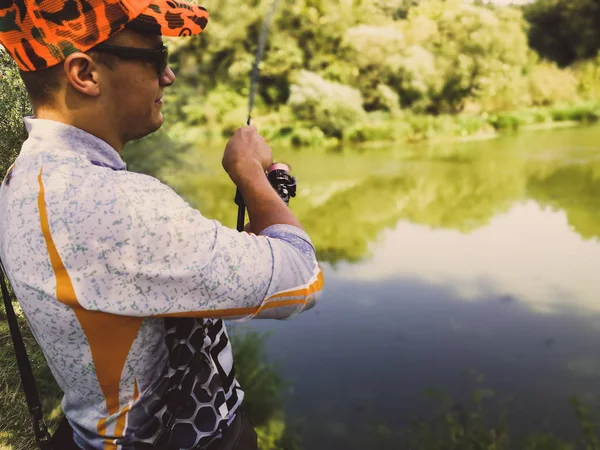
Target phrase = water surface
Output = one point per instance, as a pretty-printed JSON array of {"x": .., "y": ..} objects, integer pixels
[{"x": 440, "y": 259}]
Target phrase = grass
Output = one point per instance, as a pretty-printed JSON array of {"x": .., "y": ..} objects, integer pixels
[{"x": 15, "y": 423}]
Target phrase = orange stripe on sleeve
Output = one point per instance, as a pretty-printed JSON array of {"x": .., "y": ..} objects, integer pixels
[
  {"x": 291, "y": 298},
  {"x": 315, "y": 286}
]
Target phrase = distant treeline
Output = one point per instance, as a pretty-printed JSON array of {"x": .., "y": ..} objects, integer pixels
[{"x": 338, "y": 69}]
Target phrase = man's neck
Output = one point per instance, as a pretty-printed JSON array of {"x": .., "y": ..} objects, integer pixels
[{"x": 97, "y": 129}]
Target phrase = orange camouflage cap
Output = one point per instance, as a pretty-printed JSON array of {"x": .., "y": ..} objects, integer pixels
[{"x": 42, "y": 33}]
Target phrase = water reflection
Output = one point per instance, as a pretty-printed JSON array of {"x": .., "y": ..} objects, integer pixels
[
  {"x": 366, "y": 355},
  {"x": 529, "y": 254},
  {"x": 346, "y": 200}
]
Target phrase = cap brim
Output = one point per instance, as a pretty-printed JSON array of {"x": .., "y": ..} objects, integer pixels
[{"x": 171, "y": 18}]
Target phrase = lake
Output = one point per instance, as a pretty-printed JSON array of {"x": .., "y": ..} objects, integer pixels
[{"x": 442, "y": 262}]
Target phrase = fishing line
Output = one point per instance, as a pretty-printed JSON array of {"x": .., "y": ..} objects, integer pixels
[
  {"x": 239, "y": 200},
  {"x": 259, "y": 54}
]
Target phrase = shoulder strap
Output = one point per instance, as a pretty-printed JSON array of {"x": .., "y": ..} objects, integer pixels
[{"x": 42, "y": 436}]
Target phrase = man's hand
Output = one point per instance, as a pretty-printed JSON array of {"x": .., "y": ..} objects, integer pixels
[
  {"x": 247, "y": 157},
  {"x": 245, "y": 152}
]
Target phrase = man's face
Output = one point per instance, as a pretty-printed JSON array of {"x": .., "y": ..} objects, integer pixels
[{"x": 135, "y": 89}]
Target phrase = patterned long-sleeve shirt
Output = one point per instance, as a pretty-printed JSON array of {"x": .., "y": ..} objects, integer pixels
[{"x": 125, "y": 287}]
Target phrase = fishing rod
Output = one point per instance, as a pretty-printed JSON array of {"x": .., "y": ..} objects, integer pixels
[{"x": 279, "y": 173}]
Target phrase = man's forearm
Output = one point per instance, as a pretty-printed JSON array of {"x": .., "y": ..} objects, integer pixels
[{"x": 265, "y": 207}]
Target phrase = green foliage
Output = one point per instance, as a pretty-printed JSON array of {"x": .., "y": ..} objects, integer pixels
[
  {"x": 405, "y": 57},
  {"x": 152, "y": 154},
  {"x": 588, "y": 76},
  {"x": 475, "y": 49},
  {"x": 14, "y": 104},
  {"x": 387, "y": 99},
  {"x": 550, "y": 85},
  {"x": 587, "y": 113},
  {"x": 564, "y": 31},
  {"x": 261, "y": 381},
  {"x": 572, "y": 189},
  {"x": 330, "y": 106},
  {"x": 376, "y": 129},
  {"x": 307, "y": 137}
]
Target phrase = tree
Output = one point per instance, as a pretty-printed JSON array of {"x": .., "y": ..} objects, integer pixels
[
  {"x": 564, "y": 31},
  {"x": 14, "y": 104},
  {"x": 477, "y": 50}
]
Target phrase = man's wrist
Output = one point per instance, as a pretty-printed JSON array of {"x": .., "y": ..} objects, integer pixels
[{"x": 247, "y": 172}]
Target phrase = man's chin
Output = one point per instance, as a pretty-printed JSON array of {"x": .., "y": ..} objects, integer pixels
[{"x": 156, "y": 125}]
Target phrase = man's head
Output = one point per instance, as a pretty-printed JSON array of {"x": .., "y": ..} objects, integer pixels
[
  {"x": 114, "y": 92},
  {"x": 99, "y": 65}
]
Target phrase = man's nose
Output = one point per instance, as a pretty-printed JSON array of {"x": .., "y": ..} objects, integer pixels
[{"x": 168, "y": 78}]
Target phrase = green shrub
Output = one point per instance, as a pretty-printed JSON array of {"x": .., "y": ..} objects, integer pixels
[
  {"x": 372, "y": 132},
  {"x": 421, "y": 126},
  {"x": 234, "y": 119},
  {"x": 506, "y": 121},
  {"x": 330, "y": 106},
  {"x": 588, "y": 76},
  {"x": 467, "y": 125},
  {"x": 387, "y": 99},
  {"x": 307, "y": 137},
  {"x": 549, "y": 85},
  {"x": 214, "y": 108},
  {"x": 587, "y": 113}
]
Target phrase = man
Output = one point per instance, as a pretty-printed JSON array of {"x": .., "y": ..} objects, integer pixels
[{"x": 123, "y": 284}]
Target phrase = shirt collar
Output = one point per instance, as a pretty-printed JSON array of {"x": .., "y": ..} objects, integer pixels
[{"x": 61, "y": 135}]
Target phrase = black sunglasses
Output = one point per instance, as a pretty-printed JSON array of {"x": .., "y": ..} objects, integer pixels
[{"x": 158, "y": 56}]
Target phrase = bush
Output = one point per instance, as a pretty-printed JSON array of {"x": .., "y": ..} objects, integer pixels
[
  {"x": 422, "y": 127},
  {"x": 330, "y": 106},
  {"x": 588, "y": 75},
  {"x": 506, "y": 121},
  {"x": 588, "y": 113},
  {"x": 470, "y": 125},
  {"x": 377, "y": 129},
  {"x": 213, "y": 108},
  {"x": 364, "y": 133},
  {"x": 307, "y": 137},
  {"x": 387, "y": 99},
  {"x": 376, "y": 46},
  {"x": 232, "y": 120},
  {"x": 550, "y": 85}
]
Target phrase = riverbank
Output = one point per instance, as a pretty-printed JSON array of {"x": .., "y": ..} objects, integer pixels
[
  {"x": 410, "y": 128},
  {"x": 282, "y": 130},
  {"x": 164, "y": 151}
]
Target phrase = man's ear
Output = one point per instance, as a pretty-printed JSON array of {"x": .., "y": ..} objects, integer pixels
[{"x": 82, "y": 74}]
